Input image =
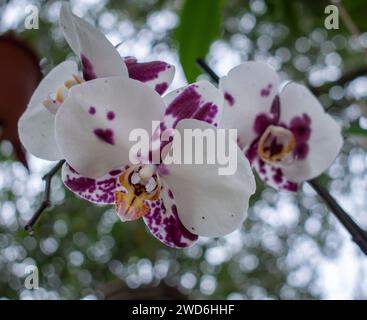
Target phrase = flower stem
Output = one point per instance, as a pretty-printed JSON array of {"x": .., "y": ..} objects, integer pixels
[
  {"x": 359, "y": 236},
  {"x": 46, "y": 203},
  {"x": 208, "y": 70}
]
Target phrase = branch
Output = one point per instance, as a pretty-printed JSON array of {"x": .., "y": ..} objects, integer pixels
[
  {"x": 359, "y": 236},
  {"x": 208, "y": 70},
  {"x": 46, "y": 203}
]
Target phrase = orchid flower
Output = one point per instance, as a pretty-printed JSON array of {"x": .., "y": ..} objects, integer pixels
[
  {"x": 99, "y": 58},
  {"x": 178, "y": 202},
  {"x": 286, "y": 134}
]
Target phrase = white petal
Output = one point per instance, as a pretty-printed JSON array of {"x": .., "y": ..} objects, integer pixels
[
  {"x": 325, "y": 140},
  {"x": 94, "y": 123},
  {"x": 210, "y": 204},
  {"x": 200, "y": 100},
  {"x": 99, "y": 57},
  {"x": 37, "y": 124},
  {"x": 249, "y": 90}
]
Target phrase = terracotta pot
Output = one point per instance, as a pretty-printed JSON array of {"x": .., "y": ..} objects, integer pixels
[{"x": 20, "y": 74}]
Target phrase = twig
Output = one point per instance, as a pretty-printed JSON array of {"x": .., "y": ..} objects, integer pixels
[
  {"x": 359, "y": 236},
  {"x": 46, "y": 203},
  {"x": 208, "y": 70}
]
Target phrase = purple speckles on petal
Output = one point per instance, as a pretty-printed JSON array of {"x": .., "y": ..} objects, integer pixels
[
  {"x": 262, "y": 121},
  {"x": 161, "y": 87},
  {"x": 273, "y": 176},
  {"x": 262, "y": 166},
  {"x": 105, "y": 135},
  {"x": 265, "y": 92},
  {"x": 301, "y": 127},
  {"x": 229, "y": 98},
  {"x": 92, "y": 110},
  {"x": 278, "y": 176},
  {"x": 146, "y": 71},
  {"x": 275, "y": 109},
  {"x": 300, "y": 152},
  {"x": 188, "y": 105},
  {"x": 290, "y": 186},
  {"x": 163, "y": 170},
  {"x": 87, "y": 67},
  {"x": 251, "y": 152},
  {"x": 115, "y": 172},
  {"x": 110, "y": 115},
  {"x": 81, "y": 184},
  {"x": 164, "y": 223},
  {"x": 206, "y": 113},
  {"x": 97, "y": 191}
]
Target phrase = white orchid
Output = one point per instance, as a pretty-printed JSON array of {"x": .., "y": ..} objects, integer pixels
[
  {"x": 286, "y": 135},
  {"x": 99, "y": 58},
  {"x": 178, "y": 202},
  {"x": 88, "y": 124}
]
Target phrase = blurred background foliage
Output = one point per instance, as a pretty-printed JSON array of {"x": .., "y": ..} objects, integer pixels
[{"x": 289, "y": 247}]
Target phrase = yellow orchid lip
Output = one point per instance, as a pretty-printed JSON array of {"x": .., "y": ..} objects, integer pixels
[
  {"x": 130, "y": 203},
  {"x": 61, "y": 93},
  {"x": 276, "y": 143}
]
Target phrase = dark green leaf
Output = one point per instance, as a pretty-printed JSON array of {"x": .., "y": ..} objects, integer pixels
[{"x": 199, "y": 27}]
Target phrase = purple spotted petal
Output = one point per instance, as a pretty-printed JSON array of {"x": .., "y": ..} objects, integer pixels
[
  {"x": 273, "y": 176},
  {"x": 301, "y": 128},
  {"x": 263, "y": 120},
  {"x": 197, "y": 101},
  {"x": 251, "y": 152},
  {"x": 164, "y": 224},
  {"x": 157, "y": 74},
  {"x": 275, "y": 109},
  {"x": 101, "y": 191},
  {"x": 87, "y": 67}
]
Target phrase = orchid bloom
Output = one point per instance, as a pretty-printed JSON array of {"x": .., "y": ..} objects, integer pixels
[
  {"x": 286, "y": 135},
  {"x": 178, "y": 202},
  {"x": 99, "y": 58}
]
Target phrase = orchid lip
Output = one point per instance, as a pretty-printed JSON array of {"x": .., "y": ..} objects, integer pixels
[
  {"x": 140, "y": 184},
  {"x": 276, "y": 145},
  {"x": 53, "y": 105}
]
